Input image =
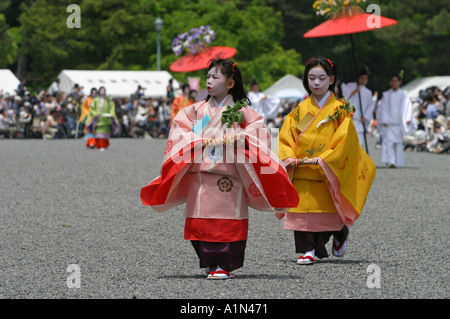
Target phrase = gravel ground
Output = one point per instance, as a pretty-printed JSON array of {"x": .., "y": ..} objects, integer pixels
[{"x": 63, "y": 204}]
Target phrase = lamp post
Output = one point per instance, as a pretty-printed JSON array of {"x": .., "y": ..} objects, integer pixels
[{"x": 158, "y": 26}]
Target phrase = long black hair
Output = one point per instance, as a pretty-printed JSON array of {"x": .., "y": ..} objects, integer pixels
[
  {"x": 231, "y": 71},
  {"x": 330, "y": 68}
]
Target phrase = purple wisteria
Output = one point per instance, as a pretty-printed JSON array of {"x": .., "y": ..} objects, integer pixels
[{"x": 193, "y": 41}]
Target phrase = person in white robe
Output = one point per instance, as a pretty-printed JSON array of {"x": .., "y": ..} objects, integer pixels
[
  {"x": 363, "y": 114},
  {"x": 266, "y": 106},
  {"x": 395, "y": 121}
]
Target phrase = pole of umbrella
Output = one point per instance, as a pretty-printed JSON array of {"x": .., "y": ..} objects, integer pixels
[{"x": 359, "y": 93}]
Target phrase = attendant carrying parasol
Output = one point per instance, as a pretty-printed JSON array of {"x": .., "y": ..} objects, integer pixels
[{"x": 347, "y": 17}]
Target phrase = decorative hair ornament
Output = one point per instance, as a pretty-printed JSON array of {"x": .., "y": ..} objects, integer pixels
[
  {"x": 309, "y": 60},
  {"x": 330, "y": 62},
  {"x": 234, "y": 66}
]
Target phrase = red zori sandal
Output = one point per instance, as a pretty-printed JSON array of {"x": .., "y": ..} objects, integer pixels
[
  {"x": 305, "y": 260},
  {"x": 219, "y": 273}
]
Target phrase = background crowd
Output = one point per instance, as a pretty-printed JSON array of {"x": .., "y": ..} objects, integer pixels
[
  {"x": 55, "y": 115},
  {"x": 51, "y": 114},
  {"x": 432, "y": 115}
]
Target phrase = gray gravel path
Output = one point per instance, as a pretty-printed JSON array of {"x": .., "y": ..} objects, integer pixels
[{"x": 62, "y": 204}]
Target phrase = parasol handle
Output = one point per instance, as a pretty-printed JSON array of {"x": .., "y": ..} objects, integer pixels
[{"x": 359, "y": 93}]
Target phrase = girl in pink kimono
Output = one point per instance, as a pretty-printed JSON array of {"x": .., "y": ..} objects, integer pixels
[{"x": 218, "y": 161}]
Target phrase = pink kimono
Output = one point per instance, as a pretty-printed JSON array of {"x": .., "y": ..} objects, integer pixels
[{"x": 219, "y": 181}]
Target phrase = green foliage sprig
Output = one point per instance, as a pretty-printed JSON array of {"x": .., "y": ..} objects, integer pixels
[
  {"x": 234, "y": 113},
  {"x": 337, "y": 115}
]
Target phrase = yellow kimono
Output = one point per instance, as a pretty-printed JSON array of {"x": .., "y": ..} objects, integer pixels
[
  {"x": 332, "y": 192},
  {"x": 85, "y": 111}
]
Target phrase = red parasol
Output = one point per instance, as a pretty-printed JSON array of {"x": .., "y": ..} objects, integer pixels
[
  {"x": 349, "y": 25},
  {"x": 200, "y": 61},
  {"x": 353, "y": 20}
]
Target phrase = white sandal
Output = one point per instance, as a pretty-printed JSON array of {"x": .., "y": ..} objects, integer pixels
[
  {"x": 305, "y": 260},
  {"x": 219, "y": 273}
]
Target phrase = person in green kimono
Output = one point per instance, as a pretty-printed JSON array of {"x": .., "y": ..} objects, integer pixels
[{"x": 102, "y": 119}]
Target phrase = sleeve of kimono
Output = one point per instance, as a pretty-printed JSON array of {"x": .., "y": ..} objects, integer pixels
[
  {"x": 92, "y": 111},
  {"x": 163, "y": 192},
  {"x": 349, "y": 171},
  {"x": 286, "y": 140},
  {"x": 270, "y": 174},
  {"x": 114, "y": 120},
  {"x": 84, "y": 110}
]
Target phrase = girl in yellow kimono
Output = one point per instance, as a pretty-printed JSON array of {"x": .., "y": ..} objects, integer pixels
[
  {"x": 332, "y": 174},
  {"x": 90, "y": 138}
]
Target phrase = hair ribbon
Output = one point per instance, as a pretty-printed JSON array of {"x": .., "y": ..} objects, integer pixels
[
  {"x": 331, "y": 63},
  {"x": 234, "y": 66}
]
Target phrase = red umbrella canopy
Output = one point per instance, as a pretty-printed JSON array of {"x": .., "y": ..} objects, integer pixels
[
  {"x": 349, "y": 25},
  {"x": 200, "y": 61}
]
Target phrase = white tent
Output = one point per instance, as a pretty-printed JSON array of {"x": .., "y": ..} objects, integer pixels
[
  {"x": 288, "y": 87},
  {"x": 413, "y": 88},
  {"x": 117, "y": 83},
  {"x": 8, "y": 82}
]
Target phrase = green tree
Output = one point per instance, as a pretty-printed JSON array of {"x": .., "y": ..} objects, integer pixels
[
  {"x": 8, "y": 44},
  {"x": 254, "y": 29},
  {"x": 118, "y": 34},
  {"x": 421, "y": 36},
  {"x": 111, "y": 37}
]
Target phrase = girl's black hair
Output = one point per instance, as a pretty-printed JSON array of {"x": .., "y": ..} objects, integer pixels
[
  {"x": 231, "y": 71},
  {"x": 329, "y": 66}
]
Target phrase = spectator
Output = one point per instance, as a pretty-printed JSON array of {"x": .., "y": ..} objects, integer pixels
[
  {"x": 63, "y": 126},
  {"x": 141, "y": 121},
  {"x": 77, "y": 92},
  {"x": 170, "y": 90},
  {"x": 25, "y": 118},
  {"x": 125, "y": 124},
  {"x": 50, "y": 126},
  {"x": 137, "y": 96},
  {"x": 5, "y": 130},
  {"x": 54, "y": 88},
  {"x": 22, "y": 88},
  {"x": 432, "y": 107}
]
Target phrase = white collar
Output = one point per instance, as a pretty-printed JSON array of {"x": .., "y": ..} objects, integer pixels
[
  {"x": 221, "y": 103},
  {"x": 323, "y": 99}
]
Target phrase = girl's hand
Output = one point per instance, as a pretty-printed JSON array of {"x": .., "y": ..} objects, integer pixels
[{"x": 306, "y": 161}]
